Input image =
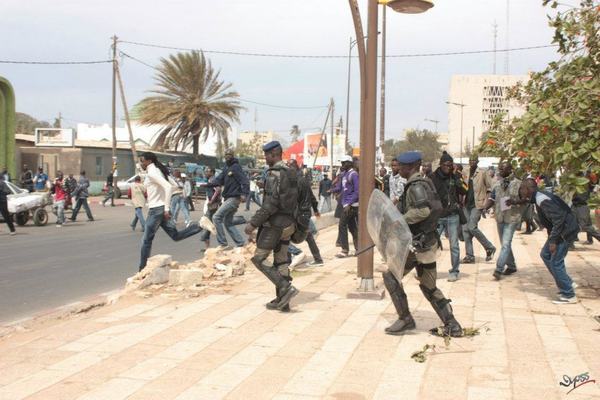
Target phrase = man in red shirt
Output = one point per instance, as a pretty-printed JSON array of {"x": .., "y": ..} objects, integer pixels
[{"x": 60, "y": 196}]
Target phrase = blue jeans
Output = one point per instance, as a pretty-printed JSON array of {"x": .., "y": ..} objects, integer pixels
[
  {"x": 255, "y": 197},
  {"x": 451, "y": 224},
  {"x": 556, "y": 265},
  {"x": 178, "y": 202},
  {"x": 223, "y": 219},
  {"x": 59, "y": 210},
  {"x": 506, "y": 256},
  {"x": 156, "y": 219},
  {"x": 471, "y": 230},
  {"x": 139, "y": 215},
  {"x": 82, "y": 201}
]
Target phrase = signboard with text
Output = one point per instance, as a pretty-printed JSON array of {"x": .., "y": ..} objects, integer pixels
[
  {"x": 57, "y": 137},
  {"x": 317, "y": 148}
]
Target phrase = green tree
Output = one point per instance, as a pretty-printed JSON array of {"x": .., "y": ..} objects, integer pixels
[
  {"x": 421, "y": 140},
  {"x": 560, "y": 130},
  {"x": 189, "y": 100}
]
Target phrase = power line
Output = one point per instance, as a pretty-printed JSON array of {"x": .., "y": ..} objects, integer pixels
[
  {"x": 55, "y": 62},
  {"x": 239, "y": 99},
  {"x": 274, "y": 55}
]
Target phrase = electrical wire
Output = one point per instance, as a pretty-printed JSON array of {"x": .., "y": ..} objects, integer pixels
[
  {"x": 55, "y": 62},
  {"x": 274, "y": 55},
  {"x": 122, "y": 53}
]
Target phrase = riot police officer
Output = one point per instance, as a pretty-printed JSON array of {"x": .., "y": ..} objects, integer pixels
[
  {"x": 276, "y": 223},
  {"x": 421, "y": 208}
]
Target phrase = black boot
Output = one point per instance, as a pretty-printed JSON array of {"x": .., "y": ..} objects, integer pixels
[
  {"x": 451, "y": 326},
  {"x": 405, "y": 321},
  {"x": 272, "y": 305},
  {"x": 284, "y": 289}
]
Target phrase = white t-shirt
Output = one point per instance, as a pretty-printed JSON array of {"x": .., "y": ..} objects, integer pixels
[{"x": 158, "y": 188}]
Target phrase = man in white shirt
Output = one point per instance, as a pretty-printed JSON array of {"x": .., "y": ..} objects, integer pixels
[
  {"x": 159, "y": 191},
  {"x": 397, "y": 183}
]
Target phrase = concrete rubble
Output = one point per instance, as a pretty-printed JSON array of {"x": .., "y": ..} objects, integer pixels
[{"x": 163, "y": 276}]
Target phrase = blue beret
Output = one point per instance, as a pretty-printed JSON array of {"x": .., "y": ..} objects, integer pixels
[
  {"x": 409, "y": 157},
  {"x": 271, "y": 145}
]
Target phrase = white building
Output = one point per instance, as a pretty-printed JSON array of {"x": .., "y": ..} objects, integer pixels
[
  {"x": 482, "y": 97},
  {"x": 142, "y": 134}
]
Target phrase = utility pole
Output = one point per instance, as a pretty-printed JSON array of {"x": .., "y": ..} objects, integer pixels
[
  {"x": 352, "y": 42},
  {"x": 495, "y": 40},
  {"x": 507, "y": 56},
  {"x": 114, "y": 106},
  {"x": 462, "y": 106},
  {"x": 127, "y": 120},
  {"x": 332, "y": 104},
  {"x": 382, "y": 104}
]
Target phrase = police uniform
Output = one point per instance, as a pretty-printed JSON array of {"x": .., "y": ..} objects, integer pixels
[
  {"x": 418, "y": 205},
  {"x": 275, "y": 221}
]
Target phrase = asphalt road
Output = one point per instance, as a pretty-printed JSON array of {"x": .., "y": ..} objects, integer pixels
[{"x": 42, "y": 268}]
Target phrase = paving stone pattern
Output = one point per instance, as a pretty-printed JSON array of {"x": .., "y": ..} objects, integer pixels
[{"x": 229, "y": 346}]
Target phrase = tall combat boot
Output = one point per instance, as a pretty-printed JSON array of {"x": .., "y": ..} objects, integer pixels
[
  {"x": 282, "y": 284},
  {"x": 405, "y": 321},
  {"x": 451, "y": 326},
  {"x": 272, "y": 305}
]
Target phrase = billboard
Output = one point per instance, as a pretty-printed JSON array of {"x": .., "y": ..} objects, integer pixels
[
  {"x": 54, "y": 137},
  {"x": 317, "y": 148}
]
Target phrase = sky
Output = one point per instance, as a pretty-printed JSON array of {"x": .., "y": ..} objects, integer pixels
[{"x": 416, "y": 88}]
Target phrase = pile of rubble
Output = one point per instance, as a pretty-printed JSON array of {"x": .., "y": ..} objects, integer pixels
[{"x": 216, "y": 269}]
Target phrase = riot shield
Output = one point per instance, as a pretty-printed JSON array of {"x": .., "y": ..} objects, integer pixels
[{"x": 389, "y": 231}]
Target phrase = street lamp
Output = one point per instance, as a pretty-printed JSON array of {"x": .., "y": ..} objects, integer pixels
[
  {"x": 368, "y": 120},
  {"x": 462, "y": 106}
]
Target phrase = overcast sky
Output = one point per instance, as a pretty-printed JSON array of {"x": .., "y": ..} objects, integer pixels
[{"x": 416, "y": 87}]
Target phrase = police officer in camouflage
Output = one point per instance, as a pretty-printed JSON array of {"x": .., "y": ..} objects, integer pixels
[
  {"x": 276, "y": 223},
  {"x": 421, "y": 208}
]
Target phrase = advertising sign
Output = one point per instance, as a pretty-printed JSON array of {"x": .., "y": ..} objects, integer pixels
[
  {"x": 317, "y": 148},
  {"x": 57, "y": 137}
]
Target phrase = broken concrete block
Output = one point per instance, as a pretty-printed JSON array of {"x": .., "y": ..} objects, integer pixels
[
  {"x": 185, "y": 277},
  {"x": 208, "y": 272},
  {"x": 220, "y": 267},
  {"x": 157, "y": 276}
]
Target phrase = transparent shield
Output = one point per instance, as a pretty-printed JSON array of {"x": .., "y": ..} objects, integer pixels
[{"x": 389, "y": 231}]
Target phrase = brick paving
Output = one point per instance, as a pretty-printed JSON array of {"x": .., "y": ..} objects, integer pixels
[{"x": 229, "y": 346}]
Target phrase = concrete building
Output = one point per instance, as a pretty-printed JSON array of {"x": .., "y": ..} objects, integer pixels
[
  {"x": 255, "y": 138},
  {"x": 483, "y": 97}
]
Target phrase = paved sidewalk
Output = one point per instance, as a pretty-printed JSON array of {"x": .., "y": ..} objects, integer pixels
[{"x": 229, "y": 346}]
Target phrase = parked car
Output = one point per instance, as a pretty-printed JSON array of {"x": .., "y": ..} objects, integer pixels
[{"x": 123, "y": 187}]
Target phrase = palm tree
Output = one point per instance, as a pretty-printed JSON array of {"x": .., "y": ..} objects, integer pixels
[{"x": 190, "y": 102}]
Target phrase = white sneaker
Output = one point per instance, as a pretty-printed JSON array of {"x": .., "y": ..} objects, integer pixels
[
  {"x": 207, "y": 224},
  {"x": 566, "y": 300},
  {"x": 58, "y": 225},
  {"x": 12, "y": 233},
  {"x": 297, "y": 259}
]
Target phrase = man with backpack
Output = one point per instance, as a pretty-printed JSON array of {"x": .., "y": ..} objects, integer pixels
[
  {"x": 276, "y": 221},
  {"x": 560, "y": 221},
  {"x": 422, "y": 208}
]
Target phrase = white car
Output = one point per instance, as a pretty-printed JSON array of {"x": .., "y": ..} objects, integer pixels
[{"x": 124, "y": 186}]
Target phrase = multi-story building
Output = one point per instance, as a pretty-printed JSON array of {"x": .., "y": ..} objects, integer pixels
[{"x": 479, "y": 98}]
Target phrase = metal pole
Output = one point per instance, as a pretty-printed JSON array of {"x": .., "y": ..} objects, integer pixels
[
  {"x": 462, "y": 106},
  {"x": 331, "y": 141},
  {"x": 367, "y": 149},
  {"x": 348, "y": 90},
  {"x": 382, "y": 104},
  {"x": 114, "y": 98}
]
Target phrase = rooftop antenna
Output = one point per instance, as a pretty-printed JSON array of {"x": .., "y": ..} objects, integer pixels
[
  {"x": 495, "y": 42},
  {"x": 507, "y": 56}
]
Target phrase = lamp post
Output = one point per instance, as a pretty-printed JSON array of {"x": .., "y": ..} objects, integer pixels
[
  {"x": 368, "y": 119},
  {"x": 462, "y": 106},
  {"x": 352, "y": 44}
]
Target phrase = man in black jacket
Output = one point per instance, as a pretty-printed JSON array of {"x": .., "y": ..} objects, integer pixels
[
  {"x": 582, "y": 212},
  {"x": 562, "y": 227},
  {"x": 236, "y": 187},
  {"x": 306, "y": 195},
  {"x": 449, "y": 187}
]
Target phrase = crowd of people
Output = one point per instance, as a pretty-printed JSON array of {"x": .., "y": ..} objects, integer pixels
[{"x": 445, "y": 203}]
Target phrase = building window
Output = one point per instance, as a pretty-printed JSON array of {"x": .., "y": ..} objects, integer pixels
[
  {"x": 98, "y": 166},
  {"x": 494, "y": 103}
]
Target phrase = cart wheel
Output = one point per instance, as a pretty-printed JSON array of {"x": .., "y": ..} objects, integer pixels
[
  {"x": 40, "y": 217},
  {"x": 22, "y": 218},
  {"x": 117, "y": 193}
]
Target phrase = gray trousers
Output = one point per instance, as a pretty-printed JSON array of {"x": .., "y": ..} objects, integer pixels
[{"x": 471, "y": 230}]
